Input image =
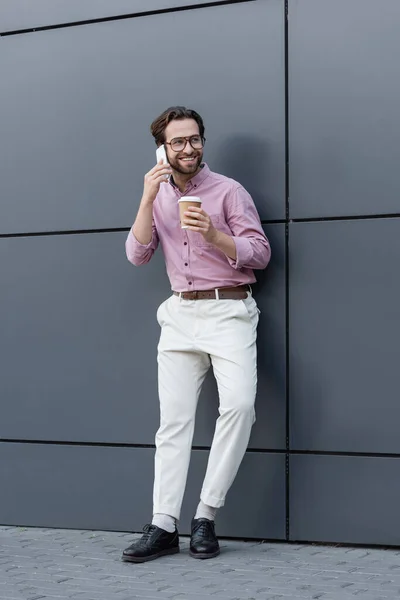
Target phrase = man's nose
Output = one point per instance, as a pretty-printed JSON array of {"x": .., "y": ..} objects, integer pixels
[{"x": 188, "y": 148}]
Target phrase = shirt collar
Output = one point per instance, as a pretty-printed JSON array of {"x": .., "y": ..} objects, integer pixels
[{"x": 195, "y": 181}]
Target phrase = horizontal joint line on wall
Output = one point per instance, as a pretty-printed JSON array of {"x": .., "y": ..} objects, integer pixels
[
  {"x": 69, "y": 443},
  {"x": 118, "y": 445},
  {"x": 273, "y": 221},
  {"x": 351, "y": 545},
  {"x": 203, "y": 448},
  {"x": 345, "y": 454},
  {"x": 258, "y": 541},
  {"x": 102, "y": 230},
  {"x": 67, "y": 232},
  {"x": 147, "y": 13},
  {"x": 346, "y": 218},
  {"x": 263, "y": 222}
]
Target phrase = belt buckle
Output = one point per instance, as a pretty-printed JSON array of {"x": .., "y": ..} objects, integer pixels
[{"x": 194, "y": 295}]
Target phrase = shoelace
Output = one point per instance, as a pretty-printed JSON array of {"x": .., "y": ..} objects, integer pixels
[
  {"x": 147, "y": 531},
  {"x": 204, "y": 528}
]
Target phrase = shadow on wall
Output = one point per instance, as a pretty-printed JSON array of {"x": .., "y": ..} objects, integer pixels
[
  {"x": 270, "y": 294},
  {"x": 245, "y": 159}
]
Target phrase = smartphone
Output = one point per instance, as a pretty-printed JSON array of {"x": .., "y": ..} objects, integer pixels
[{"x": 162, "y": 154}]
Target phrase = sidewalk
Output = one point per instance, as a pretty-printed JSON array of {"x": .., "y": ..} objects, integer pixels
[{"x": 43, "y": 564}]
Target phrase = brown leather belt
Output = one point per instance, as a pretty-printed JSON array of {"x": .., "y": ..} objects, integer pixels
[{"x": 225, "y": 293}]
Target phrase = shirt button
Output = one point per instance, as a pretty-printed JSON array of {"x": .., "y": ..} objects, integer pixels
[
  {"x": 185, "y": 243},
  {"x": 189, "y": 282},
  {"x": 186, "y": 264}
]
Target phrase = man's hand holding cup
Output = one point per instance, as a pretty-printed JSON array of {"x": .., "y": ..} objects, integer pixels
[{"x": 194, "y": 218}]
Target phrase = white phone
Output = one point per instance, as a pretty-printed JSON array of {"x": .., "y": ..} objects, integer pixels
[{"x": 162, "y": 154}]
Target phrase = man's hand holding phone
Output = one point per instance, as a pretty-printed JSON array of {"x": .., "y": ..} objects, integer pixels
[{"x": 153, "y": 179}]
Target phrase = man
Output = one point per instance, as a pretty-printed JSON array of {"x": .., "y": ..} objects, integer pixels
[{"x": 210, "y": 319}]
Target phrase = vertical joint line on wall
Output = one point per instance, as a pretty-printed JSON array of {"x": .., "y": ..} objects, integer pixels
[
  {"x": 287, "y": 215},
  {"x": 287, "y": 391},
  {"x": 286, "y": 51}
]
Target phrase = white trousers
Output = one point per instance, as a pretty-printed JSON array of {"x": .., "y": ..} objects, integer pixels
[{"x": 195, "y": 334}]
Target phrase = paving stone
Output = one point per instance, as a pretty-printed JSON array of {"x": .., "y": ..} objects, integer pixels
[{"x": 52, "y": 564}]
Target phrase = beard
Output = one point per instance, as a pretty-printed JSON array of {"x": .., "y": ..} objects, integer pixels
[{"x": 186, "y": 169}]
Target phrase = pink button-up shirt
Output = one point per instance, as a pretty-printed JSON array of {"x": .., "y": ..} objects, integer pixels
[{"x": 192, "y": 263}]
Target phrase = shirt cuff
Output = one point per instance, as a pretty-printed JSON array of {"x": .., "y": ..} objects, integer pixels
[
  {"x": 134, "y": 243},
  {"x": 135, "y": 251},
  {"x": 244, "y": 253}
]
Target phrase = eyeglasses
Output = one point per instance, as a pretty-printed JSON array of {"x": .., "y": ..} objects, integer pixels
[{"x": 179, "y": 144}]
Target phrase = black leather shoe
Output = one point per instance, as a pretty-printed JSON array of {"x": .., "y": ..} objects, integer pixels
[
  {"x": 155, "y": 542},
  {"x": 203, "y": 542}
]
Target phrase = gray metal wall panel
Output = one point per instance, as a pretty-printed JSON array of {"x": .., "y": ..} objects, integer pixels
[
  {"x": 344, "y": 499},
  {"x": 344, "y": 332},
  {"x": 78, "y": 345},
  {"x": 111, "y": 489},
  {"x": 75, "y": 147},
  {"x": 24, "y": 14},
  {"x": 269, "y": 431},
  {"x": 80, "y": 340},
  {"x": 344, "y": 98}
]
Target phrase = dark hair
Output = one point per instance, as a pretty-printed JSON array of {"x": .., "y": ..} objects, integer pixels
[{"x": 173, "y": 113}]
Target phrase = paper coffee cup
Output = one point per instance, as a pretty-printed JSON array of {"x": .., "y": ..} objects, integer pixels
[{"x": 184, "y": 203}]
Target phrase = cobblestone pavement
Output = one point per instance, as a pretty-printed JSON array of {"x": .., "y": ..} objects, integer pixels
[{"x": 52, "y": 564}]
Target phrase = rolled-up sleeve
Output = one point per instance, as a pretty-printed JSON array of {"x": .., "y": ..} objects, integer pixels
[
  {"x": 140, "y": 254},
  {"x": 253, "y": 250}
]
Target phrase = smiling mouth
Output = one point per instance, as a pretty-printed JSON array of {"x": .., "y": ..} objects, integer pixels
[{"x": 188, "y": 159}]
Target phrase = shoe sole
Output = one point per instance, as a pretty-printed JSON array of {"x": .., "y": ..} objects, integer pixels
[
  {"x": 205, "y": 556},
  {"x": 142, "y": 559}
]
